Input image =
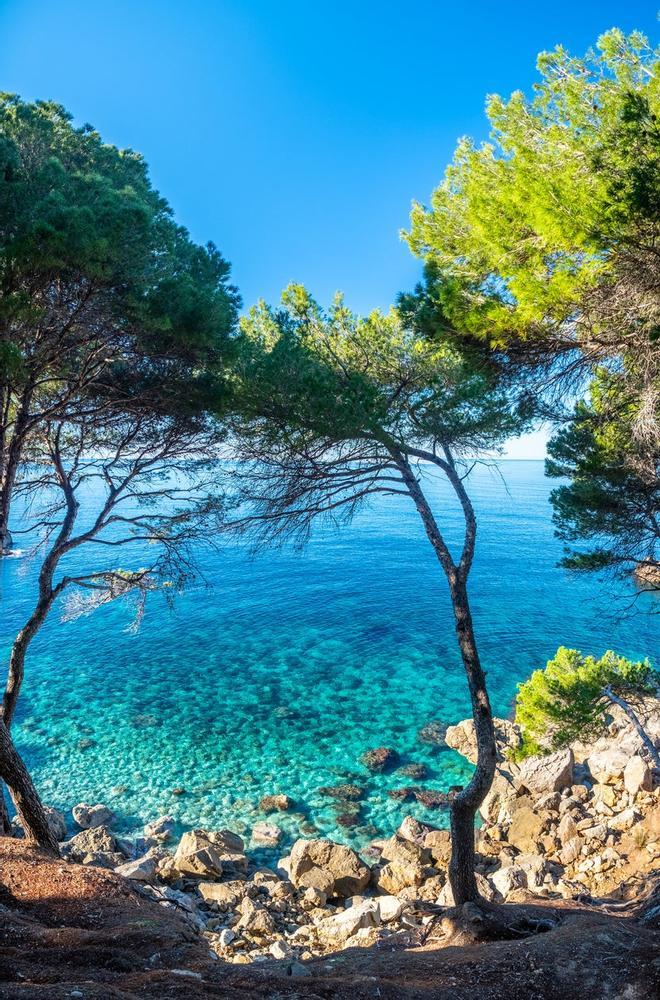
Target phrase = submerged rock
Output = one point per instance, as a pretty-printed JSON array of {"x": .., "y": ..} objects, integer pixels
[
  {"x": 433, "y": 732},
  {"x": 380, "y": 760},
  {"x": 418, "y": 772},
  {"x": 347, "y": 792},
  {"x": 268, "y": 834},
  {"x": 275, "y": 803}
]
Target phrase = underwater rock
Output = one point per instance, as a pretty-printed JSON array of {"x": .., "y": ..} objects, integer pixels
[
  {"x": 433, "y": 732},
  {"x": 268, "y": 834},
  {"x": 431, "y": 798},
  {"x": 418, "y": 772},
  {"x": 380, "y": 759},
  {"x": 347, "y": 792},
  {"x": 275, "y": 803}
]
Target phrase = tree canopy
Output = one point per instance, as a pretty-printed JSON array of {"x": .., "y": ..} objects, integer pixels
[
  {"x": 104, "y": 299},
  {"x": 543, "y": 243},
  {"x": 524, "y": 226}
]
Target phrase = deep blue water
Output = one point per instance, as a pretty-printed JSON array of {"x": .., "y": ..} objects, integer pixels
[{"x": 277, "y": 672}]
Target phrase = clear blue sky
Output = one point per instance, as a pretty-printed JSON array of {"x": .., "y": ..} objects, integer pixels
[{"x": 293, "y": 134}]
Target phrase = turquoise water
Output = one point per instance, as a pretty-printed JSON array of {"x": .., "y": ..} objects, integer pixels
[{"x": 276, "y": 673}]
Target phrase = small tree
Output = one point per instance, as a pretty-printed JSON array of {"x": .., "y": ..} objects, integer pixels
[
  {"x": 140, "y": 481},
  {"x": 335, "y": 410},
  {"x": 568, "y": 700}
]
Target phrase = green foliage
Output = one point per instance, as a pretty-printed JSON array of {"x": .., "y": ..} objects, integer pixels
[
  {"x": 345, "y": 377},
  {"x": 566, "y": 700},
  {"x": 90, "y": 254},
  {"x": 522, "y": 227},
  {"x": 612, "y": 497}
]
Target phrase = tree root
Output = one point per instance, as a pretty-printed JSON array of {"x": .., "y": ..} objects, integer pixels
[{"x": 479, "y": 922}]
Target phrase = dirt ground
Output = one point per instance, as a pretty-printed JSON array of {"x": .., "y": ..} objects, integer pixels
[{"x": 71, "y": 931}]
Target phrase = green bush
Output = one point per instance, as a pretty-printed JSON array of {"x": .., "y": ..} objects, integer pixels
[{"x": 568, "y": 699}]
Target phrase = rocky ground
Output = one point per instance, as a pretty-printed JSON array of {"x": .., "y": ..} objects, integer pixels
[{"x": 560, "y": 833}]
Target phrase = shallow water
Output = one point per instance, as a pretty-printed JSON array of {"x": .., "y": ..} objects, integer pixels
[{"x": 279, "y": 671}]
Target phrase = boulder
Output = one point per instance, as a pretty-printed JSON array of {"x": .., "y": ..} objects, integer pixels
[
  {"x": 637, "y": 776},
  {"x": 56, "y": 823},
  {"x": 438, "y": 843},
  {"x": 623, "y": 820},
  {"x": 412, "y": 829},
  {"x": 398, "y": 875},
  {"x": 498, "y": 806},
  {"x": 526, "y": 828},
  {"x": 535, "y": 870},
  {"x": 570, "y": 850},
  {"x": 268, "y": 834},
  {"x": 275, "y": 803},
  {"x": 314, "y": 898},
  {"x": 505, "y": 880},
  {"x": 403, "y": 851},
  {"x": 332, "y": 868},
  {"x": 547, "y": 773},
  {"x": 380, "y": 760},
  {"x": 389, "y": 908},
  {"x": 255, "y": 919},
  {"x": 461, "y": 738},
  {"x": 225, "y": 895},
  {"x": 197, "y": 855},
  {"x": 280, "y": 949},
  {"x": 607, "y": 766},
  {"x": 87, "y": 817},
  {"x": 141, "y": 869},
  {"x": 96, "y": 840},
  {"x": 567, "y": 828},
  {"x": 161, "y": 829},
  {"x": 336, "y": 930},
  {"x": 605, "y": 794}
]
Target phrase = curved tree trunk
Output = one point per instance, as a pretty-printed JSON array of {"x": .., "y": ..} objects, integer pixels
[
  {"x": 465, "y": 804},
  {"x": 28, "y": 805}
]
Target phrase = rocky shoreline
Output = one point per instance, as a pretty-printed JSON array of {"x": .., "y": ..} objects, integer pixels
[{"x": 581, "y": 822}]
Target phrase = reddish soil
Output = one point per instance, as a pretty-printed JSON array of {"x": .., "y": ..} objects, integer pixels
[{"x": 70, "y": 931}]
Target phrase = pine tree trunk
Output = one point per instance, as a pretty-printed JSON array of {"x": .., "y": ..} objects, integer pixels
[
  {"x": 27, "y": 802},
  {"x": 465, "y": 804}
]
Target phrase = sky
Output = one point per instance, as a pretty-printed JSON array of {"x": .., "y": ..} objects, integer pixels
[{"x": 292, "y": 134}]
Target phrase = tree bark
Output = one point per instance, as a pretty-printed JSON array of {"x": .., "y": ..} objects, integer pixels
[
  {"x": 465, "y": 804},
  {"x": 27, "y": 802}
]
